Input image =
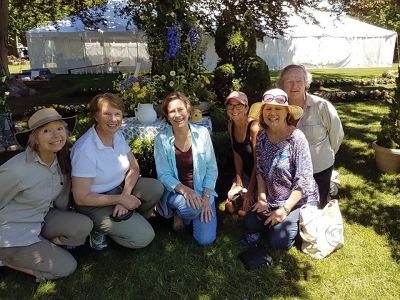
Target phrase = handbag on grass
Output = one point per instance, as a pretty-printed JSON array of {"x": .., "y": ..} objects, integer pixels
[
  {"x": 321, "y": 229},
  {"x": 255, "y": 257}
]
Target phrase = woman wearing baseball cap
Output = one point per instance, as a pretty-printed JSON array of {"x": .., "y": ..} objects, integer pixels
[
  {"x": 284, "y": 172},
  {"x": 34, "y": 201},
  {"x": 242, "y": 133}
]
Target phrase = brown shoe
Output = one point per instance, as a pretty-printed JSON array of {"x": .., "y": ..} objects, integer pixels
[
  {"x": 178, "y": 225},
  {"x": 229, "y": 207}
]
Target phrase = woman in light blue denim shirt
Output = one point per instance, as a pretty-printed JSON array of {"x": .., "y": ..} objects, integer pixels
[{"x": 186, "y": 165}]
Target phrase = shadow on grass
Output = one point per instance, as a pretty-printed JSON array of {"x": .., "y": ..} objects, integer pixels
[
  {"x": 366, "y": 201},
  {"x": 369, "y": 211},
  {"x": 172, "y": 267}
]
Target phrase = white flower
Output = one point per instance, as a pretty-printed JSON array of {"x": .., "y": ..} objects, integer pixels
[
  {"x": 172, "y": 73},
  {"x": 163, "y": 77},
  {"x": 171, "y": 83}
]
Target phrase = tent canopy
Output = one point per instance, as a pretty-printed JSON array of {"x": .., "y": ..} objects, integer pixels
[
  {"x": 68, "y": 44},
  {"x": 330, "y": 43}
]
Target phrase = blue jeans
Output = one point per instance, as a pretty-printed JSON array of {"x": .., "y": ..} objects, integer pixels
[
  {"x": 203, "y": 233},
  {"x": 280, "y": 236}
]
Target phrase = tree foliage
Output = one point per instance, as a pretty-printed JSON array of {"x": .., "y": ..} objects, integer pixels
[
  {"x": 383, "y": 13},
  {"x": 270, "y": 17},
  {"x": 25, "y": 15}
]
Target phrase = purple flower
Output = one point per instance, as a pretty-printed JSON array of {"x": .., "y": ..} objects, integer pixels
[
  {"x": 193, "y": 37},
  {"x": 173, "y": 42},
  {"x": 127, "y": 83}
]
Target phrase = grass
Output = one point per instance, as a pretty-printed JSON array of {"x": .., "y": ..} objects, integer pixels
[
  {"x": 15, "y": 69},
  {"x": 174, "y": 267},
  {"x": 344, "y": 74}
]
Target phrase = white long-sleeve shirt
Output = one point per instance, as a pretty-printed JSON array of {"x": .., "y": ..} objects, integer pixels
[{"x": 323, "y": 129}]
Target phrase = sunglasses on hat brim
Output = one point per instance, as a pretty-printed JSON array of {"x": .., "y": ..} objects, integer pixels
[{"x": 281, "y": 99}]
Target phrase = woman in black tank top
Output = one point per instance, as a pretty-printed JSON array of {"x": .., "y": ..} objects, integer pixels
[{"x": 242, "y": 133}]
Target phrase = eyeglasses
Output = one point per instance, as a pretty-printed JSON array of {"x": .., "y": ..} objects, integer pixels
[
  {"x": 281, "y": 99},
  {"x": 239, "y": 106}
]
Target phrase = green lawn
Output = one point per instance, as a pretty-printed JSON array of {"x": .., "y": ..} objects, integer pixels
[{"x": 174, "y": 267}]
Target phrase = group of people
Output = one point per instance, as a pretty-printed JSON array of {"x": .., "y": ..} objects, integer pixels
[
  {"x": 293, "y": 137},
  {"x": 283, "y": 155}
]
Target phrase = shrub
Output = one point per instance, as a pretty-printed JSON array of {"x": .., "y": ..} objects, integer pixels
[
  {"x": 256, "y": 78},
  {"x": 223, "y": 77},
  {"x": 219, "y": 119},
  {"x": 143, "y": 149},
  {"x": 224, "y": 156},
  {"x": 389, "y": 136},
  {"x": 235, "y": 44}
]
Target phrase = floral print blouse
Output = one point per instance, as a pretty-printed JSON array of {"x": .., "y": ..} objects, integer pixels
[{"x": 286, "y": 166}]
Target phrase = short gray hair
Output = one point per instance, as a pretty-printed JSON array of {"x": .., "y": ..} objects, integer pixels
[{"x": 307, "y": 75}]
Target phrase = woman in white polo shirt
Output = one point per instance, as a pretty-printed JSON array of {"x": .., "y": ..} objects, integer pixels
[{"x": 106, "y": 182}]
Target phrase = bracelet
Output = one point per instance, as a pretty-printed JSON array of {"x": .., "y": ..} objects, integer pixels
[
  {"x": 287, "y": 210},
  {"x": 206, "y": 196}
]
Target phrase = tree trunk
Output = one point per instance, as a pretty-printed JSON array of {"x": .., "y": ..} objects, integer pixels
[
  {"x": 3, "y": 37},
  {"x": 12, "y": 47}
]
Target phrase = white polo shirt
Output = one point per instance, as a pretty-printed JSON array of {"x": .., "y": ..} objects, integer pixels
[{"x": 90, "y": 158}]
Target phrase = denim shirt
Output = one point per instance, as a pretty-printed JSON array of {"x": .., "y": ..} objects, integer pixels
[{"x": 205, "y": 170}]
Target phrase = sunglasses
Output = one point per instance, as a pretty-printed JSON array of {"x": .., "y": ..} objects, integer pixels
[
  {"x": 281, "y": 99},
  {"x": 239, "y": 106}
]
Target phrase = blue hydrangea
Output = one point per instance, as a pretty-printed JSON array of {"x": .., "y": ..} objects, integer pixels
[{"x": 173, "y": 42}]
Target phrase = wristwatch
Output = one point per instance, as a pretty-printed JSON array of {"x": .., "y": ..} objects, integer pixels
[{"x": 287, "y": 210}]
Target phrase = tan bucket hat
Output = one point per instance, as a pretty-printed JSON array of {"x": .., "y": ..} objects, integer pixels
[{"x": 40, "y": 118}]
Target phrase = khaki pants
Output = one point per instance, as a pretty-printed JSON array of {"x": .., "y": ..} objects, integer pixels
[
  {"x": 45, "y": 259},
  {"x": 136, "y": 232}
]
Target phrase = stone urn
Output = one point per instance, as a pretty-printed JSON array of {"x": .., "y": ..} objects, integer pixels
[
  {"x": 387, "y": 160},
  {"x": 145, "y": 113}
]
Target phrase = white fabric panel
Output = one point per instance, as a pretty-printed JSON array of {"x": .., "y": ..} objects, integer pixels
[{"x": 332, "y": 43}]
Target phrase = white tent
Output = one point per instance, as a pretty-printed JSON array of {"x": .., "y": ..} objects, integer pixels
[
  {"x": 332, "y": 43},
  {"x": 69, "y": 45}
]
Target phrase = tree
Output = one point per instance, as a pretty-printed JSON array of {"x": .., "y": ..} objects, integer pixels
[
  {"x": 17, "y": 16},
  {"x": 270, "y": 17},
  {"x": 3, "y": 38},
  {"x": 383, "y": 13}
]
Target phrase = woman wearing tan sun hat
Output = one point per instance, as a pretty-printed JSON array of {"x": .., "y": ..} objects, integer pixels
[
  {"x": 242, "y": 131},
  {"x": 283, "y": 169},
  {"x": 34, "y": 201}
]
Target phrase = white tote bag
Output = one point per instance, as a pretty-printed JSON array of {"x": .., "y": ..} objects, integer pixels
[{"x": 321, "y": 229}]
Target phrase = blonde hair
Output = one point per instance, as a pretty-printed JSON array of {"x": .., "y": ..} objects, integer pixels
[{"x": 63, "y": 156}]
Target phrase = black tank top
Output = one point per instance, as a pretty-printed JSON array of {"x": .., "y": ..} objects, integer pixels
[{"x": 244, "y": 150}]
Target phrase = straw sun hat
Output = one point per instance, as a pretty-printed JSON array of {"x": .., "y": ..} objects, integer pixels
[
  {"x": 40, "y": 118},
  {"x": 279, "y": 98}
]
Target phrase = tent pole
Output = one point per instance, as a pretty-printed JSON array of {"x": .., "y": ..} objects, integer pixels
[{"x": 398, "y": 51}]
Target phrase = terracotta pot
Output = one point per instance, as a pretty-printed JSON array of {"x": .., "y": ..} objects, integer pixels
[{"x": 387, "y": 160}]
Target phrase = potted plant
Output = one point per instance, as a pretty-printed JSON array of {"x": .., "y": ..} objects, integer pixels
[
  {"x": 387, "y": 145},
  {"x": 139, "y": 95}
]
